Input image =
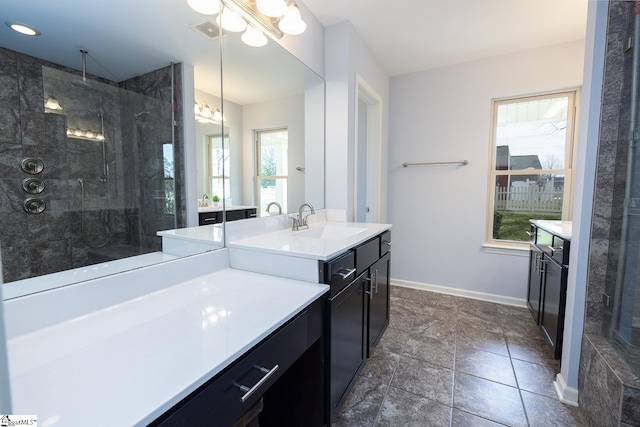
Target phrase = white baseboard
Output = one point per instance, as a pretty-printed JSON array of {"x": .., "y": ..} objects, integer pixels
[
  {"x": 566, "y": 394},
  {"x": 483, "y": 296}
]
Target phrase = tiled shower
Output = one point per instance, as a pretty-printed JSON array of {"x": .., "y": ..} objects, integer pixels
[
  {"x": 609, "y": 379},
  {"x": 90, "y": 182}
]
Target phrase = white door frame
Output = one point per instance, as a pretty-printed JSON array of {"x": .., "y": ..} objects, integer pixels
[{"x": 373, "y": 101}]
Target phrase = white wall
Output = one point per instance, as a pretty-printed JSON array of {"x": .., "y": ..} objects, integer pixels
[
  {"x": 346, "y": 56},
  {"x": 439, "y": 213}
]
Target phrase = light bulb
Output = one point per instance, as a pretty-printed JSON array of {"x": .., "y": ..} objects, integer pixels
[
  {"x": 231, "y": 21},
  {"x": 69, "y": 131},
  {"x": 52, "y": 104},
  {"x": 291, "y": 23},
  {"x": 78, "y": 132},
  {"x": 217, "y": 115},
  {"x": 206, "y": 111},
  {"x": 254, "y": 37},
  {"x": 90, "y": 134},
  {"x": 100, "y": 137},
  {"x": 272, "y": 8},
  {"x": 205, "y": 7}
]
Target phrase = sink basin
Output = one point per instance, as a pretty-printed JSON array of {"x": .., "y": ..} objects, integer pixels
[{"x": 329, "y": 232}]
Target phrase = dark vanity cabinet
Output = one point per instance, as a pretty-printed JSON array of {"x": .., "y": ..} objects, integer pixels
[
  {"x": 547, "y": 291},
  {"x": 216, "y": 217},
  {"x": 357, "y": 313},
  {"x": 280, "y": 381}
]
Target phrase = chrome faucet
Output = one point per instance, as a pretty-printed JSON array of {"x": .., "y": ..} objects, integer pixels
[
  {"x": 277, "y": 205},
  {"x": 301, "y": 221}
]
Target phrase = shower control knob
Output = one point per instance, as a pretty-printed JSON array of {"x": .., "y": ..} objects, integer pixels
[
  {"x": 34, "y": 206},
  {"x": 33, "y": 185},
  {"x": 32, "y": 165}
]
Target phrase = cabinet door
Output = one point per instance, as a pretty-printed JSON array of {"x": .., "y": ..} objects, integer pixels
[
  {"x": 378, "y": 295},
  {"x": 552, "y": 311},
  {"x": 534, "y": 293},
  {"x": 347, "y": 341}
]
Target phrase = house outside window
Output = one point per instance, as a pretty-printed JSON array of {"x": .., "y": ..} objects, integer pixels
[{"x": 532, "y": 147}]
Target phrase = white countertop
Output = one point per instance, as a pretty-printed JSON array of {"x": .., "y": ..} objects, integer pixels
[
  {"x": 559, "y": 228},
  {"x": 128, "y": 363},
  {"x": 307, "y": 244}
]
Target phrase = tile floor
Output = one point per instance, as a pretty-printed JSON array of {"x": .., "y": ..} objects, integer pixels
[{"x": 452, "y": 361}]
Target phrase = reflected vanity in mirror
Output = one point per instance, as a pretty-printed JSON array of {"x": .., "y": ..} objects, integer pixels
[{"x": 93, "y": 147}]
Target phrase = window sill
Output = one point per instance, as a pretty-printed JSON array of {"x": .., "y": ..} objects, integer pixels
[{"x": 514, "y": 249}]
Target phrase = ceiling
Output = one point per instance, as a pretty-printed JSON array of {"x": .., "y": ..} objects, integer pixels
[
  {"x": 406, "y": 36},
  {"x": 128, "y": 38}
]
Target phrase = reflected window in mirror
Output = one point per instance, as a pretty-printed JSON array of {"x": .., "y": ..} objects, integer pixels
[
  {"x": 218, "y": 162},
  {"x": 272, "y": 147}
]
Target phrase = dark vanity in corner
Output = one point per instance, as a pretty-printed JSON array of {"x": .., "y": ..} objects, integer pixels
[
  {"x": 216, "y": 215},
  {"x": 357, "y": 313},
  {"x": 548, "y": 268}
]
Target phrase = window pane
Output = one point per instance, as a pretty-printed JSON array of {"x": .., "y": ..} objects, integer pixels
[
  {"x": 272, "y": 190},
  {"x": 532, "y": 134},
  {"x": 521, "y": 198},
  {"x": 274, "y": 153}
]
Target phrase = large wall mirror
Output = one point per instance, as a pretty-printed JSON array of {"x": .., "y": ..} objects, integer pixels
[
  {"x": 265, "y": 145},
  {"x": 93, "y": 118}
]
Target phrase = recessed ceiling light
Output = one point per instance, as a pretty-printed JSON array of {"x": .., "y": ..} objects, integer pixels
[{"x": 22, "y": 28}]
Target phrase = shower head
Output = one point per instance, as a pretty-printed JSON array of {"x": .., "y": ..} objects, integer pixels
[{"x": 83, "y": 83}]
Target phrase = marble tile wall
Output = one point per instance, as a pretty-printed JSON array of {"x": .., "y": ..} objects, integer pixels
[
  {"x": 52, "y": 241},
  {"x": 608, "y": 388}
]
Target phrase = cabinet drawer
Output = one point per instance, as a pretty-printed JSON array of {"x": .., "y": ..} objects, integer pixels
[
  {"x": 367, "y": 254},
  {"x": 560, "y": 250},
  {"x": 385, "y": 243},
  {"x": 219, "y": 402},
  {"x": 339, "y": 272},
  {"x": 206, "y": 218}
]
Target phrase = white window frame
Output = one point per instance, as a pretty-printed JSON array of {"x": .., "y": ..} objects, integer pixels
[
  {"x": 568, "y": 171},
  {"x": 226, "y": 175}
]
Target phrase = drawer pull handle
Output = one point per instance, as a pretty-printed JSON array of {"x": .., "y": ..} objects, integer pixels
[
  {"x": 249, "y": 391},
  {"x": 345, "y": 274},
  {"x": 559, "y": 248},
  {"x": 209, "y": 219},
  {"x": 387, "y": 242},
  {"x": 529, "y": 233}
]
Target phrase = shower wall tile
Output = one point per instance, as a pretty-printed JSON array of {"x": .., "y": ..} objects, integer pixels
[
  {"x": 630, "y": 412},
  {"x": 611, "y": 90},
  {"x": 16, "y": 263},
  {"x": 10, "y": 155},
  {"x": 48, "y": 226},
  {"x": 60, "y": 193},
  {"x": 597, "y": 272},
  {"x": 9, "y": 96},
  {"x": 33, "y": 127},
  {"x": 10, "y": 125},
  {"x": 52, "y": 256},
  {"x": 8, "y": 62},
  {"x": 11, "y": 195},
  {"x": 54, "y": 158},
  {"x": 30, "y": 83}
]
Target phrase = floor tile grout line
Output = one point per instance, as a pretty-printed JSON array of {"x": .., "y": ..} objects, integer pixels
[{"x": 515, "y": 375}]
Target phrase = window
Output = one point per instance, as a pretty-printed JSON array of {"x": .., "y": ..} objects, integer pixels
[
  {"x": 531, "y": 155},
  {"x": 218, "y": 165},
  {"x": 272, "y": 148}
]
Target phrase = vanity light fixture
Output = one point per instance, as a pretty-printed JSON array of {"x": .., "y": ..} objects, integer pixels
[
  {"x": 205, "y": 7},
  {"x": 206, "y": 114},
  {"x": 273, "y": 18},
  {"x": 22, "y": 28},
  {"x": 88, "y": 135},
  {"x": 52, "y": 104}
]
